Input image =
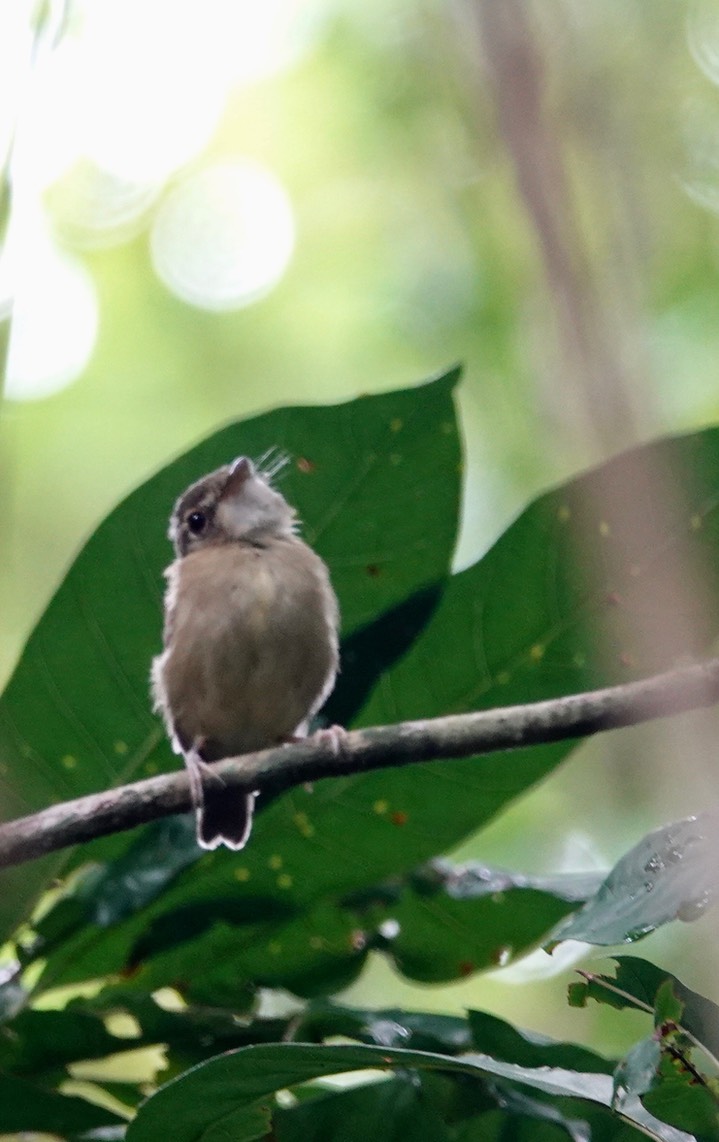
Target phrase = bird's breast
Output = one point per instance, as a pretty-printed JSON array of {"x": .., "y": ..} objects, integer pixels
[{"x": 251, "y": 645}]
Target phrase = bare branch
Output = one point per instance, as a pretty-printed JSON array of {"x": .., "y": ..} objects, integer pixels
[{"x": 459, "y": 735}]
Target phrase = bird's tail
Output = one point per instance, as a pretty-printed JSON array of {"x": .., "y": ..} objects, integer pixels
[{"x": 223, "y": 816}]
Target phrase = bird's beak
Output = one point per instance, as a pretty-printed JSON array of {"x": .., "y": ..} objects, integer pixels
[{"x": 241, "y": 470}]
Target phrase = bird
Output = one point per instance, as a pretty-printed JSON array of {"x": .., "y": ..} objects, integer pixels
[{"x": 250, "y": 639}]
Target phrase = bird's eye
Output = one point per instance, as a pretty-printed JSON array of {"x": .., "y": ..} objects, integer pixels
[{"x": 196, "y": 522}]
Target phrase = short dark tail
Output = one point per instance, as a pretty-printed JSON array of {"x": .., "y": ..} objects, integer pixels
[{"x": 223, "y": 818}]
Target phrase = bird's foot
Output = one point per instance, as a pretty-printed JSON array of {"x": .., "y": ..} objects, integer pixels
[{"x": 334, "y": 736}]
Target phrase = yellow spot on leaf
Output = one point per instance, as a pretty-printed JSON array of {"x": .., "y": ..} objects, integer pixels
[
  {"x": 395, "y": 459},
  {"x": 503, "y": 677},
  {"x": 604, "y": 529},
  {"x": 284, "y": 880},
  {"x": 120, "y": 748},
  {"x": 564, "y": 513},
  {"x": 536, "y": 652},
  {"x": 242, "y": 874},
  {"x": 275, "y": 862},
  {"x": 317, "y": 943},
  {"x": 151, "y": 767},
  {"x": 396, "y": 424},
  {"x": 68, "y": 761},
  {"x": 695, "y": 522},
  {"x": 274, "y": 947},
  {"x": 304, "y": 825},
  {"x": 579, "y": 659},
  {"x": 380, "y": 807}
]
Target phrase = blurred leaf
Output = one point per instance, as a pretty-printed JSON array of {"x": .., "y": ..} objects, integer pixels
[
  {"x": 670, "y": 1088},
  {"x": 411, "y": 1107},
  {"x": 668, "y": 1008},
  {"x": 231, "y": 1091},
  {"x": 389, "y": 1027},
  {"x": 26, "y": 1107},
  {"x": 190, "y": 1034},
  {"x": 635, "y": 985},
  {"x": 13, "y": 998},
  {"x": 495, "y": 1127},
  {"x": 678, "y": 1098},
  {"x": 493, "y": 1036},
  {"x": 40, "y": 1043},
  {"x": 635, "y": 1074},
  {"x": 518, "y": 1105},
  {"x": 452, "y": 1035},
  {"x": 392, "y": 1111},
  {"x": 441, "y": 922},
  {"x": 384, "y": 532},
  {"x": 669, "y": 874},
  {"x": 451, "y": 922},
  {"x": 639, "y": 984}
]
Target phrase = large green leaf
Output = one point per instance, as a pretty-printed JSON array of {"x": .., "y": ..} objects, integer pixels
[
  {"x": 229, "y": 1096},
  {"x": 424, "y": 1109},
  {"x": 376, "y": 484},
  {"x": 562, "y": 602},
  {"x": 575, "y": 594}
]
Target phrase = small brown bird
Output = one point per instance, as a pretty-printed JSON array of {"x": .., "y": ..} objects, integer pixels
[{"x": 250, "y": 637}]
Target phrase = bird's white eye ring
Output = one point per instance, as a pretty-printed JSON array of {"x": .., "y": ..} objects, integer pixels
[{"x": 196, "y": 522}]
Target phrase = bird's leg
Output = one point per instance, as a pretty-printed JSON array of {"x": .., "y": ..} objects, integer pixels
[{"x": 199, "y": 770}]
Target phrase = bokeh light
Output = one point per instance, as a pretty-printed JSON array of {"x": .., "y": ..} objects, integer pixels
[
  {"x": 100, "y": 118},
  {"x": 54, "y": 315},
  {"x": 224, "y": 236},
  {"x": 94, "y": 208}
]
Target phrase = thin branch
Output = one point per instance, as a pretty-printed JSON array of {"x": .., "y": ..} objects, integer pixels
[{"x": 460, "y": 735}]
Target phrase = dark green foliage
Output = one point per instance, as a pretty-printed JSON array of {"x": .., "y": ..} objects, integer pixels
[{"x": 353, "y": 866}]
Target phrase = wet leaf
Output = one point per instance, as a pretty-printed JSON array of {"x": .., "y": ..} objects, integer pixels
[{"x": 670, "y": 871}]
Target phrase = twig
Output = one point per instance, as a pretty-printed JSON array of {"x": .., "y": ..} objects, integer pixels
[{"x": 460, "y": 735}]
